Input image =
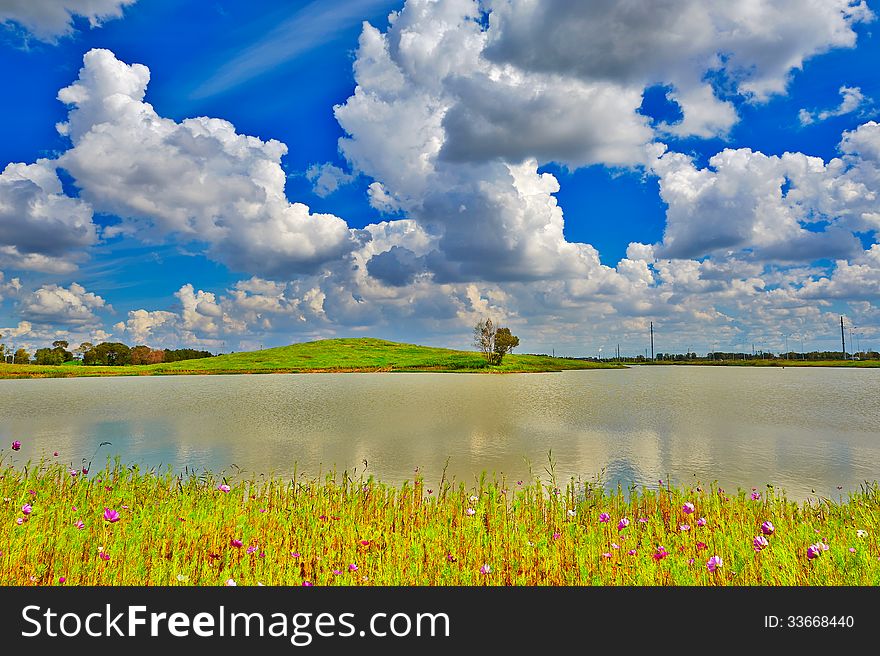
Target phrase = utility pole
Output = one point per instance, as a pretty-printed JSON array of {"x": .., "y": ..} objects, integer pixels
[
  {"x": 842, "y": 338},
  {"x": 652, "y": 341},
  {"x": 618, "y": 352}
]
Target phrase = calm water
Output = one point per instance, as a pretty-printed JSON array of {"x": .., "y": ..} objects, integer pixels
[{"x": 799, "y": 429}]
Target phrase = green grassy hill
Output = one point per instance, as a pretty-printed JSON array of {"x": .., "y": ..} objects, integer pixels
[{"x": 328, "y": 355}]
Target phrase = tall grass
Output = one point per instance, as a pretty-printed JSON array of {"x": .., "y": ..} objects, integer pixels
[{"x": 185, "y": 530}]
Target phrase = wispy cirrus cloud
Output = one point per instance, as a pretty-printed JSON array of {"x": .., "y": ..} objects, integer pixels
[{"x": 317, "y": 23}]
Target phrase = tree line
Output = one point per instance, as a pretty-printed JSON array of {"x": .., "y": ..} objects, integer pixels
[{"x": 108, "y": 354}]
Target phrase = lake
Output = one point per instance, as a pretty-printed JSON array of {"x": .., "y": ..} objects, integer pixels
[{"x": 800, "y": 429}]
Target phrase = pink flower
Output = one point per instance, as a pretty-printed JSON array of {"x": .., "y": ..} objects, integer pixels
[
  {"x": 251, "y": 550},
  {"x": 701, "y": 522},
  {"x": 767, "y": 528},
  {"x": 684, "y": 528},
  {"x": 295, "y": 554},
  {"x": 223, "y": 487},
  {"x": 643, "y": 520},
  {"x": 614, "y": 545},
  {"x": 622, "y": 524},
  {"x": 16, "y": 445},
  {"x": 852, "y": 550},
  {"x": 236, "y": 543},
  {"x": 19, "y": 521},
  {"x": 352, "y": 568},
  {"x": 104, "y": 555},
  {"x": 688, "y": 508},
  {"x": 451, "y": 558},
  {"x": 111, "y": 515},
  {"x": 631, "y": 552},
  {"x": 556, "y": 536},
  {"x": 337, "y": 572},
  {"x": 813, "y": 551},
  {"x": 470, "y": 512},
  {"x": 27, "y": 509},
  {"x": 604, "y": 518},
  {"x": 230, "y": 583},
  {"x": 756, "y": 496},
  {"x": 606, "y": 555},
  {"x": 760, "y": 542},
  {"x": 74, "y": 472},
  {"x": 690, "y": 561},
  {"x": 79, "y": 524},
  {"x": 485, "y": 569},
  {"x": 714, "y": 563},
  {"x": 262, "y": 510}
]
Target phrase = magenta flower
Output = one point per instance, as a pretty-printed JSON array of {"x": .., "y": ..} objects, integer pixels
[
  {"x": 556, "y": 536},
  {"x": 236, "y": 543},
  {"x": 365, "y": 543},
  {"x": 61, "y": 579},
  {"x": 701, "y": 546},
  {"x": 295, "y": 554},
  {"x": 251, "y": 550},
  {"x": 688, "y": 508},
  {"x": 631, "y": 552},
  {"x": 767, "y": 528},
  {"x": 85, "y": 471},
  {"x": 470, "y": 512},
  {"x": 79, "y": 524},
  {"x": 604, "y": 518},
  {"x": 660, "y": 554},
  {"x": 19, "y": 521},
  {"x": 74, "y": 472},
  {"x": 104, "y": 555},
  {"x": 701, "y": 522},
  {"x": 27, "y": 509},
  {"x": 55, "y": 453},
  {"x": 352, "y": 568},
  {"x": 690, "y": 561},
  {"x": 337, "y": 572},
  {"x": 307, "y": 584},
  {"x": 714, "y": 563},
  {"x": 756, "y": 496},
  {"x": 622, "y": 524},
  {"x": 223, "y": 487},
  {"x": 760, "y": 542},
  {"x": 111, "y": 515},
  {"x": 451, "y": 558},
  {"x": 813, "y": 551},
  {"x": 485, "y": 569},
  {"x": 16, "y": 445}
]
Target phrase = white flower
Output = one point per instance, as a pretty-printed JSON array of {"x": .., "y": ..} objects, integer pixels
[
  {"x": 861, "y": 533},
  {"x": 474, "y": 498},
  {"x": 571, "y": 513},
  {"x": 230, "y": 582},
  {"x": 183, "y": 578}
]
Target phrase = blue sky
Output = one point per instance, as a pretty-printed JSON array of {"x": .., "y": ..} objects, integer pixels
[{"x": 486, "y": 165}]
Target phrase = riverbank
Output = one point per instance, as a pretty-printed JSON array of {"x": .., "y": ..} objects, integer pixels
[
  {"x": 362, "y": 355},
  {"x": 863, "y": 364},
  {"x": 124, "y": 526}
]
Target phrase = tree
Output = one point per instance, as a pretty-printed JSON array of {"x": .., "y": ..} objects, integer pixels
[
  {"x": 49, "y": 356},
  {"x": 484, "y": 338},
  {"x": 82, "y": 348},
  {"x": 108, "y": 354},
  {"x": 505, "y": 342},
  {"x": 61, "y": 343},
  {"x": 141, "y": 355},
  {"x": 494, "y": 342},
  {"x": 22, "y": 357}
]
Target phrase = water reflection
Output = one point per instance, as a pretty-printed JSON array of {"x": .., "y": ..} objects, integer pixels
[{"x": 799, "y": 429}]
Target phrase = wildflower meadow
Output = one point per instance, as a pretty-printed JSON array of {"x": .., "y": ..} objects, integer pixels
[{"x": 63, "y": 525}]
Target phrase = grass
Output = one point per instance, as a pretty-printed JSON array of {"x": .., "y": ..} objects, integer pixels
[
  {"x": 329, "y": 355},
  {"x": 179, "y": 530}
]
